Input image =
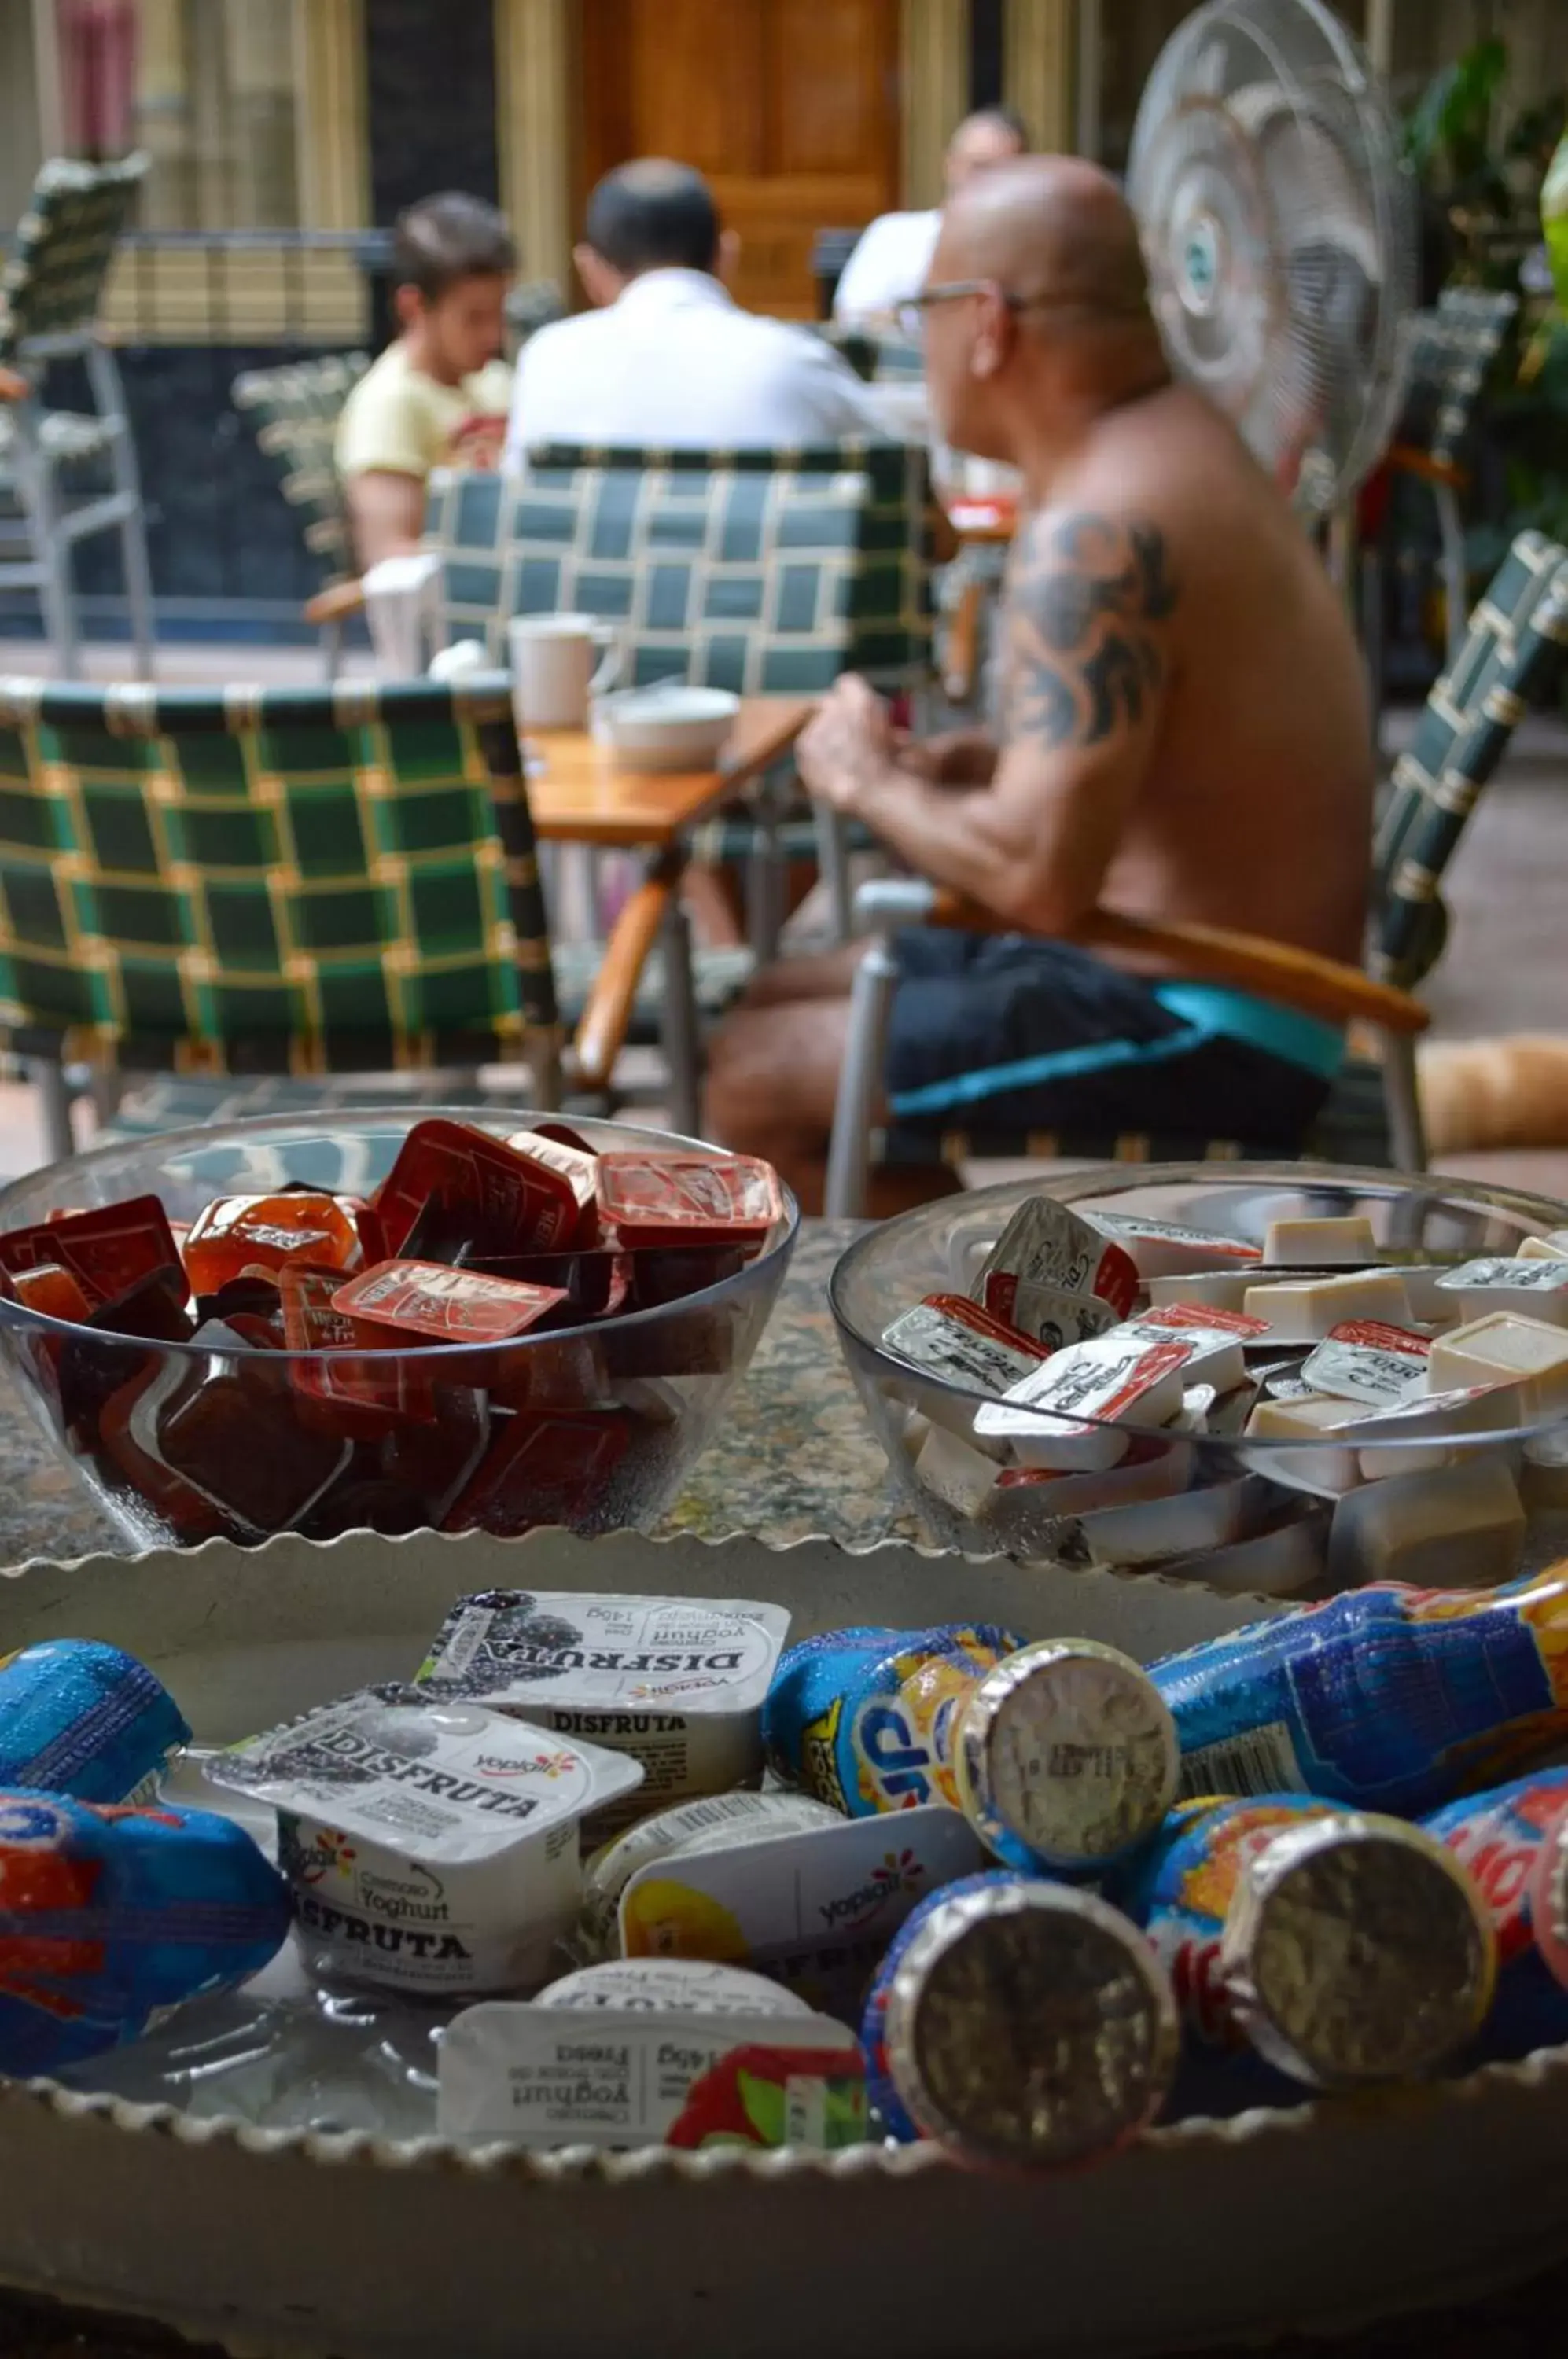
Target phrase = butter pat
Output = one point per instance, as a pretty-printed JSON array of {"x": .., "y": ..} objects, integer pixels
[
  {"x": 1116, "y": 1377},
  {"x": 1218, "y": 1338},
  {"x": 1458, "y": 1527},
  {"x": 1537, "y": 1286},
  {"x": 1164, "y": 1248},
  {"x": 1328, "y": 1470},
  {"x": 1306, "y": 1310},
  {"x": 1161, "y": 1528},
  {"x": 1341, "y": 1243},
  {"x": 1277, "y": 1563},
  {"x": 1403, "y": 1436},
  {"x": 1216, "y": 1289},
  {"x": 1364, "y": 1361},
  {"x": 1506, "y": 1349},
  {"x": 1552, "y": 1246}
]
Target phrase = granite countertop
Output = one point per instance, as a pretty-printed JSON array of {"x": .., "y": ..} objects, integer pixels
[{"x": 795, "y": 1457}]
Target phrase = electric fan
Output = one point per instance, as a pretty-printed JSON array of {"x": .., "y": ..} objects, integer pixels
[{"x": 1280, "y": 229}]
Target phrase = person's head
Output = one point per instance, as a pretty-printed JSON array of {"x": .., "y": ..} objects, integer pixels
[
  {"x": 453, "y": 259},
  {"x": 651, "y": 215},
  {"x": 1036, "y": 312},
  {"x": 994, "y": 134}
]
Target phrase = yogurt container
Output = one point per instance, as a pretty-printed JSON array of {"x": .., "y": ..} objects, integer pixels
[
  {"x": 676, "y": 1683},
  {"x": 687, "y": 1827},
  {"x": 673, "y": 1986},
  {"x": 427, "y": 1848}
]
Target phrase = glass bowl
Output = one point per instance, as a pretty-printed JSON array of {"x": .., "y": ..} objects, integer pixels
[
  {"x": 1207, "y": 1503},
  {"x": 592, "y": 1426}
]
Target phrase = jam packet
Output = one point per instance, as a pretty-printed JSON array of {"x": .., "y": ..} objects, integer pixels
[
  {"x": 429, "y": 1847},
  {"x": 676, "y": 1682}
]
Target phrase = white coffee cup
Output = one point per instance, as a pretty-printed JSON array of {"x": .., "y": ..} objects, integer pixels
[{"x": 554, "y": 676}]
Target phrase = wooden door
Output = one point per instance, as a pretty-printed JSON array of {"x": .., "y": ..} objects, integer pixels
[{"x": 789, "y": 107}]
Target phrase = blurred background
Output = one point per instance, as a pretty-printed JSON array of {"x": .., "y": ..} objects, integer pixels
[{"x": 287, "y": 134}]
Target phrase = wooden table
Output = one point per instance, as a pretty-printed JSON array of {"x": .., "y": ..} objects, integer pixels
[{"x": 582, "y": 796}]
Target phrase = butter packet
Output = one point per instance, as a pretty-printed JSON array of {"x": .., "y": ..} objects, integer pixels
[
  {"x": 676, "y": 1683},
  {"x": 427, "y": 1847},
  {"x": 814, "y": 1910},
  {"x": 538, "y": 2076}
]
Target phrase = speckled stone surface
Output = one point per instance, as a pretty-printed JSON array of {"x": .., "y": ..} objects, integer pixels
[{"x": 795, "y": 1457}]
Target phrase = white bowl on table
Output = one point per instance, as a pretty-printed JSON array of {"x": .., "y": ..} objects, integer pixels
[{"x": 672, "y": 727}]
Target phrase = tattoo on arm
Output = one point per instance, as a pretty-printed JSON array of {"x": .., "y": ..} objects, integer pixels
[{"x": 1086, "y": 599}]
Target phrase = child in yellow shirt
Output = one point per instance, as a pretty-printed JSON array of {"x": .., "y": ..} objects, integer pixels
[{"x": 438, "y": 396}]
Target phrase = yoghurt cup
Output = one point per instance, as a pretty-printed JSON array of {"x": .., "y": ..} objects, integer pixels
[{"x": 427, "y": 1848}]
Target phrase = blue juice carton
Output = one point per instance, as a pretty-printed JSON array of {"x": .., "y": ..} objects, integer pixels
[
  {"x": 1505, "y": 1839},
  {"x": 1388, "y": 1697},
  {"x": 109, "y": 1916},
  {"x": 1060, "y": 1754},
  {"x": 1334, "y": 1947},
  {"x": 84, "y": 1719},
  {"x": 1019, "y": 2023}
]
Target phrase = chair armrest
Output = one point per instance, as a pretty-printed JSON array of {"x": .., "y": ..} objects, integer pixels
[
  {"x": 1295, "y": 978},
  {"x": 1410, "y": 461},
  {"x": 338, "y": 599},
  {"x": 608, "y": 1015}
]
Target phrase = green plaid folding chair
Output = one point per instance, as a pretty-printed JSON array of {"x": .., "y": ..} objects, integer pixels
[
  {"x": 296, "y": 410},
  {"x": 48, "y": 307},
  {"x": 758, "y": 570},
  {"x": 1518, "y": 633},
  {"x": 256, "y": 883},
  {"x": 1450, "y": 353}
]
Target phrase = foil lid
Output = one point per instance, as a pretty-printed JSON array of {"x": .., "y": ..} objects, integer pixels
[
  {"x": 1066, "y": 1755},
  {"x": 1029, "y": 2023},
  {"x": 1357, "y": 1949}
]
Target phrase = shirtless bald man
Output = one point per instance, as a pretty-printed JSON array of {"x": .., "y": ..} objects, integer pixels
[{"x": 1184, "y": 735}]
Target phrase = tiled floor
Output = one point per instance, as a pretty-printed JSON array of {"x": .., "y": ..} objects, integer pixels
[{"x": 1506, "y": 969}]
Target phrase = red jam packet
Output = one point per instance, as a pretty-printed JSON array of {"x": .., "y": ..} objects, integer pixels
[
  {"x": 425, "y": 1302},
  {"x": 239, "y": 1232},
  {"x": 540, "y": 1469},
  {"x": 677, "y": 1199},
  {"x": 339, "y": 1390},
  {"x": 128, "y": 1434},
  {"x": 50, "y": 1290},
  {"x": 237, "y": 1440},
  {"x": 521, "y": 1204},
  {"x": 577, "y": 1165},
  {"x": 105, "y": 1251}
]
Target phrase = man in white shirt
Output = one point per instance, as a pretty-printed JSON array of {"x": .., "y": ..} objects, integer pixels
[
  {"x": 668, "y": 358},
  {"x": 890, "y": 264}
]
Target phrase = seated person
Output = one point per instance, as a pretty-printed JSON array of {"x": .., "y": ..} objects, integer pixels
[
  {"x": 889, "y": 265},
  {"x": 1183, "y": 735},
  {"x": 668, "y": 358},
  {"x": 438, "y": 396}
]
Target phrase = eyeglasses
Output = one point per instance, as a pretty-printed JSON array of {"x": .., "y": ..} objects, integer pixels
[{"x": 912, "y": 316}]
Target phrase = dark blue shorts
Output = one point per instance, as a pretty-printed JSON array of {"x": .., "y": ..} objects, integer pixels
[{"x": 998, "y": 1032}]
